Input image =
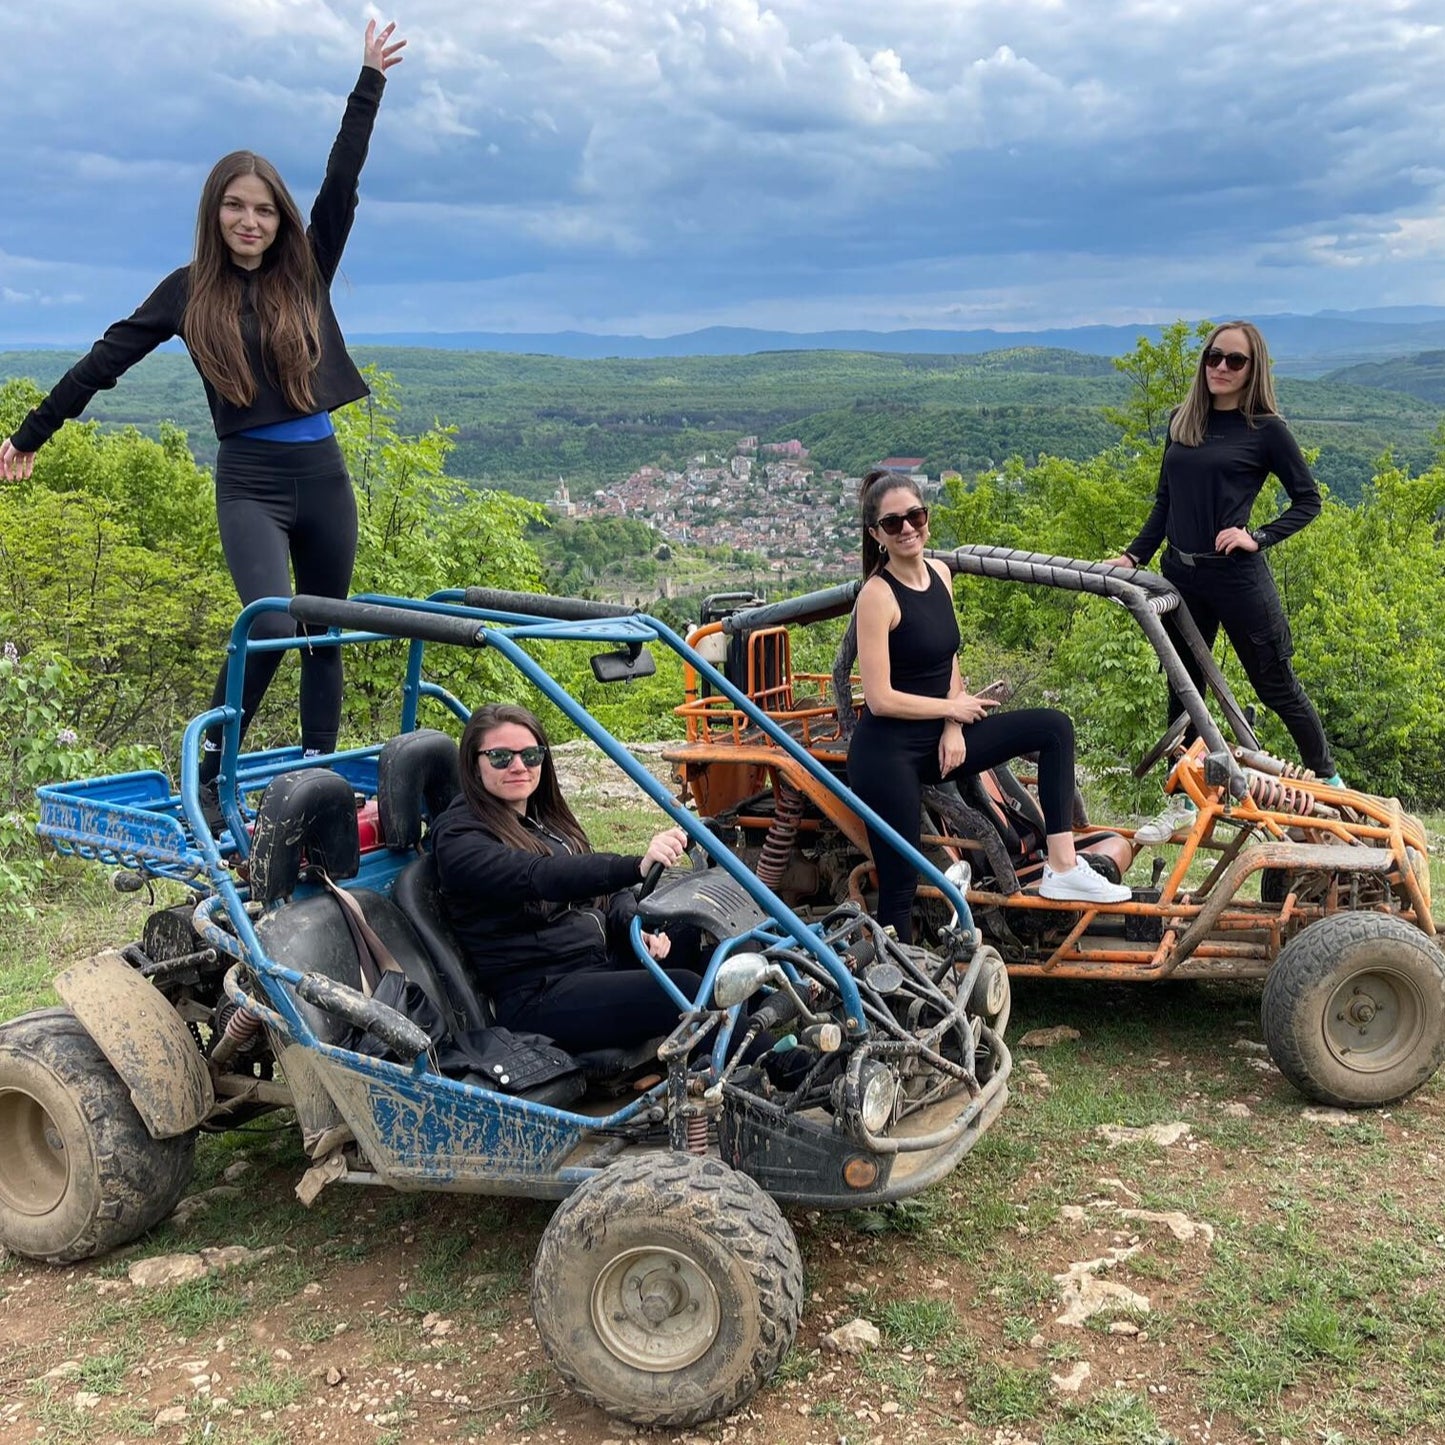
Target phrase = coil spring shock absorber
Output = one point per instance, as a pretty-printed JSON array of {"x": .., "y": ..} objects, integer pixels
[
  {"x": 240, "y": 1029},
  {"x": 782, "y": 833},
  {"x": 1277, "y": 795},
  {"x": 697, "y": 1133}
]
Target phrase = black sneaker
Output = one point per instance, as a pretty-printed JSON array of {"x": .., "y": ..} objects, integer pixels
[{"x": 211, "y": 809}]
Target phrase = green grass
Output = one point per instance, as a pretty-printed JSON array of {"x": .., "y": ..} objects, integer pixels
[
  {"x": 266, "y": 1387},
  {"x": 917, "y": 1322}
]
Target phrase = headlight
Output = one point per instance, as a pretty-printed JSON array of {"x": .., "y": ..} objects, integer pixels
[{"x": 879, "y": 1094}]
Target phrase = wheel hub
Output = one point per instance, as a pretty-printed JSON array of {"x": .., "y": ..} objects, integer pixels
[
  {"x": 1374, "y": 1020},
  {"x": 36, "y": 1168},
  {"x": 655, "y": 1309}
]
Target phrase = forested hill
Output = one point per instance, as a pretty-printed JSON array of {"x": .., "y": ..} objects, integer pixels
[
  {"x": 524, "y": 421},
  {"x": 1420, "y": 376}
]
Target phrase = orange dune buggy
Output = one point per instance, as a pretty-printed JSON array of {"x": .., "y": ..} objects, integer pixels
[{"x": 1323, "y": 892}]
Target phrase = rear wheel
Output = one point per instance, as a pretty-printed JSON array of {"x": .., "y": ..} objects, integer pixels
[
  {"x": 667, "y": 1289},
  {"x": 79, "y": 1172},
  {"x": 1354, "y": 1009}
]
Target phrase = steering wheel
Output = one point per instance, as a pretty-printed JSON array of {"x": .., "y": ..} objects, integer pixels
[
  {"x": 696, "y": 855},
  {"x": 1173, "y": 736}
]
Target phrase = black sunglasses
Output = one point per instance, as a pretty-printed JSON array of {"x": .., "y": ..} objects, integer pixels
[
  {"x": 1234, "y": 360},
  {"x": 501, "y": 758},
  {"x": 892, "y": 524}
]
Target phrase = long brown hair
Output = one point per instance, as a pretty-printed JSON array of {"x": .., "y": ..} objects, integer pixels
[
  {"x": 286, "y": 287},
  {"x": 1191, "y": 418},
  {"x": 546, "y": 806},
  {"x": 874, "y": 487}
]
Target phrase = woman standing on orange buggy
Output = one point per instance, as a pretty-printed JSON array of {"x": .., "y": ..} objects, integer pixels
[
  {"x": 919, "y": 726},
  {"x": 1224, "y": 440}
]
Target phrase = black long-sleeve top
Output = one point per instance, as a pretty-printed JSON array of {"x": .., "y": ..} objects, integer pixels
[
  {"x": 1204, "y": 489},
  {"x": 159, "y": 316},
  {"x": 521, "y": 917}
]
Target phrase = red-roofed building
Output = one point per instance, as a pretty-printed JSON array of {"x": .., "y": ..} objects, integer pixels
[{"x": 900, "y": 464}]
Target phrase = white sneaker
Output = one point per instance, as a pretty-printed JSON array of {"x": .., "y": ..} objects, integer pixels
[
  {"x": 1080, "y": 884},
  {"x": 1178, "y": 813}
]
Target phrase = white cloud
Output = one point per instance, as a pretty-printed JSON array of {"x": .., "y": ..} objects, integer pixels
[{"x": 715, "y": 158}]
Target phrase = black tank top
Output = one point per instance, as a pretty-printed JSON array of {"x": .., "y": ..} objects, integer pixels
[{"x": 922, "y": 647}]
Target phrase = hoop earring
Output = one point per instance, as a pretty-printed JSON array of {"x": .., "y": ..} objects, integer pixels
[{"x": 883, "y": 551}]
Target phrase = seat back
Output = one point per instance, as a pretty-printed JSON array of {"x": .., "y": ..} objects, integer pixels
[
  {"x": 416, "y": 779},
  {"x": 308, "y": 819},
  {"x": 417, "y": 893},
  {"x": 1002, "y": 799}
]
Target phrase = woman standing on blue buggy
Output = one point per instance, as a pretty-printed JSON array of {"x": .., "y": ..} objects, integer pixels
[{"x": 254, "y": 310}]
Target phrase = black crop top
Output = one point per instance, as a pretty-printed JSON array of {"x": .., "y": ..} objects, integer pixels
[{"x": 921, "y": 649}]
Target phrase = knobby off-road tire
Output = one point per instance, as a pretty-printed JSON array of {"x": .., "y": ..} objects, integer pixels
[
  {"x": 1354, "y": 1010},
  {"x": 79, "y": 1172},
  {"x": 667, "y": 1289}
]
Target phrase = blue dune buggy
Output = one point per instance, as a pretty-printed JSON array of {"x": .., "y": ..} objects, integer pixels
[{"x": 667, "y": 1285}]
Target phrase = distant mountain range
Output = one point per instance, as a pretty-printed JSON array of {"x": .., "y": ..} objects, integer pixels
[{"x": 1302, "y": 345}]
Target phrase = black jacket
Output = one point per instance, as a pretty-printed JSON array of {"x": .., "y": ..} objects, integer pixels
[
  {"x": 159, "y": 316},
  {"x": 522, "y": 917},
  {"x": 1204, "y": 489}
]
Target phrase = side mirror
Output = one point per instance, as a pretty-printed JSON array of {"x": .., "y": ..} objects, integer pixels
[
  {"x": 739, "y": 978},
  {"x": 960, "y": 875}
]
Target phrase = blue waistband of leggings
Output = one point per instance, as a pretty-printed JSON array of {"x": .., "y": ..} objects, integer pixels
[{"x": 299, "y": 429}]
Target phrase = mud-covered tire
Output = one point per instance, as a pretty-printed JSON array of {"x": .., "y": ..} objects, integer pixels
[
  {"x": 1354, "y": 1010},
  {"x": 79, "y": 1172},
  {"x": 667, "y": 1289}
]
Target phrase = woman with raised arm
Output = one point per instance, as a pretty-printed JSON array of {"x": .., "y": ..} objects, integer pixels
[
  {"x": 918, "y": 725},
  {"x": 254, "y": 310},
  {"x": 1224, "y": 440},
  {"x": 543, "y": 921}
]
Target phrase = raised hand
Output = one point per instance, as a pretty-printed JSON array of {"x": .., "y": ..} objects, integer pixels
[{"x": 382, "y": 52}]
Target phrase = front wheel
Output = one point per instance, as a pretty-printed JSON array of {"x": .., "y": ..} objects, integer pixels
[
  {"x": 667, "y": 1289},
  {"x": 1354, "y": 1009},
  {"x": 79, "y": 1171}
]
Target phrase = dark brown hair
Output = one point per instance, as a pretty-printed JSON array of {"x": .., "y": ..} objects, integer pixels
[
  {"x": 1188, "y": 424},
  {"x": 286, "y": 287},
  {"x": 875, "y": 486},
  {"x": 546, "y": 806}
]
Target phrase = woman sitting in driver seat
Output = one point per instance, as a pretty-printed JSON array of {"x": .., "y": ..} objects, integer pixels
[{"x": 542, "y": 919}]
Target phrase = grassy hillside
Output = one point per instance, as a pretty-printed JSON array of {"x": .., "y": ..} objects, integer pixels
[{"x": 523, "y": 421}]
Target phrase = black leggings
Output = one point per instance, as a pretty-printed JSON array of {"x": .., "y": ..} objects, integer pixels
[
  {"x": 1236, "y": 592},
  {"x": 891, "y": 759},
  {"x": 285, "y": 505}
]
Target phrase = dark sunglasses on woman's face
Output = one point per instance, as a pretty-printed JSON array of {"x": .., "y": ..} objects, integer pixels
[
  {"x": 1234, "y": 360},
  {"x": 892, "y": 524},
  {"x": 501, "y": 758}
]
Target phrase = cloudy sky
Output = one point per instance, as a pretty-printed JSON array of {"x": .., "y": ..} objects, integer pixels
[{"x": 652, "y": 166}]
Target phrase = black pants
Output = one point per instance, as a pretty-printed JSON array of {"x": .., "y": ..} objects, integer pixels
[
  {"x": 598, "y": 1008},
  {"x": 891, "y": 759},
  {"x": 1238, "y": 593},
  {"x": 283, "y": 506}
]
